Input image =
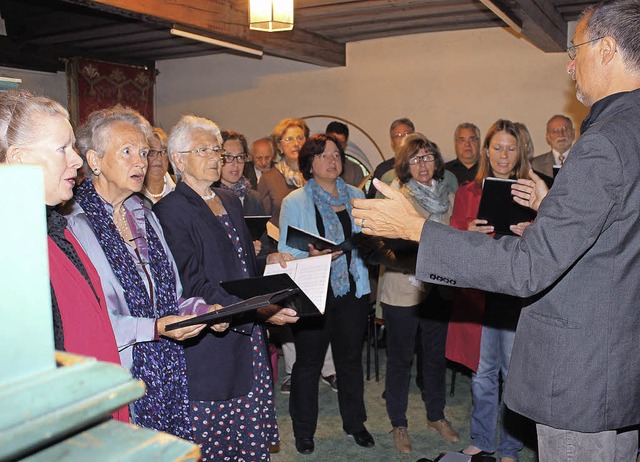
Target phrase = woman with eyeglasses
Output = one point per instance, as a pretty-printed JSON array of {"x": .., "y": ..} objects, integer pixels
[
  {"x": 482, "y": 326},
  {"x": 157, "y": 182},
  {"x": 143, "y": 293},
  {"x": 230, "y": 388},
  {"x": 288, "y": 136},
  {"x": 323, "y": 207},
  {"x": 412, "y": 308}
]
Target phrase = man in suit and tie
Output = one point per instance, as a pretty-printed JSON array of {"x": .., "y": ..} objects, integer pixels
[
  {"x": 560, "y": 135},
  {"x": 262, "y": 155},
  {"x": 575, "y": 367}
]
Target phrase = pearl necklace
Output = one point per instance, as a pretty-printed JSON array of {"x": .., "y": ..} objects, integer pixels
[
  {"x": 157, "y": 196},
  {"x": 208, "y": 197},
  {"x": 122, "y": 225}
]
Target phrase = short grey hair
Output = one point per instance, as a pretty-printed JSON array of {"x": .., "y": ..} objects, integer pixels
[
  {"x": 466, "y": 125},
  {"x": 560, "y": 116},
  {"x": 94, "y": 133},
  {"x": 401, "y": 121},
  {"x": 618, "y": 19},
  {"x": 180, "y": 135}
]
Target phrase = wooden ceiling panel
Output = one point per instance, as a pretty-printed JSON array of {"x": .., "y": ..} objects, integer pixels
[{"x": 40, "y": 33}]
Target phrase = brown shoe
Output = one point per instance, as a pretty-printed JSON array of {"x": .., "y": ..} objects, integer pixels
[
  {"x": 401, "y": 440},
  {"x": 447, "y": 432}
]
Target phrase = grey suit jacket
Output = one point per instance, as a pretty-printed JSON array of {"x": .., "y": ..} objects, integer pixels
[
  {"x": 575, "y": 363},
  {"x": 544, "y": 163}
]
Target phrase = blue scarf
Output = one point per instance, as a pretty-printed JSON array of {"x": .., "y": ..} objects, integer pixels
[
  {"x": 240, "y": 188},
  {"x": 160, "y": 365},
  {"x": 334, "y": 232}
]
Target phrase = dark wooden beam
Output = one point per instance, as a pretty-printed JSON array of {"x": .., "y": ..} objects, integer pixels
[
  {"x": 543, "y": 25},
  {"x": 228, "y": 20}
]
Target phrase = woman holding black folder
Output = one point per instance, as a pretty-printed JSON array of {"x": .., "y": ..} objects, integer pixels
[
  {"x": 230, "y": 386},
  {"x": 323, "y": 207},
  {"x": 482, "y": 326}
]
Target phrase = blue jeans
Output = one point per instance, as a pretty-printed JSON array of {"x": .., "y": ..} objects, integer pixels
[{"x": 495, "y": 353}]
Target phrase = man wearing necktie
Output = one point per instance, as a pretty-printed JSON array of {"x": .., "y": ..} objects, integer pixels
[{"x": 560, "y": 135}]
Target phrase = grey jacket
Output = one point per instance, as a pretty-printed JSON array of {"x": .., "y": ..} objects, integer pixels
[{"x": 575, "y": 363}]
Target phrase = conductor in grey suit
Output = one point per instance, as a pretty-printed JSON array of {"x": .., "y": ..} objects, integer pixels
[
  {"x": 575, "y": 366},
  {"x": 560, "y": 135}
]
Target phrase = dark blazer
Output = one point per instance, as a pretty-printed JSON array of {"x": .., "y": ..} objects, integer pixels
[
  {"x": 250, "y": 173},
  {"x": 544, "y": 163},
  {"x": 219, "y": 366},
  {"x": 575, "y": 362},
  {"x": 252, "y": 204}
]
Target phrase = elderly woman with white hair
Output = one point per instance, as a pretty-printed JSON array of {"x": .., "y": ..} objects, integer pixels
[
  {"x": 230, "y": 387},
  {"x": 124, "y": 241}
]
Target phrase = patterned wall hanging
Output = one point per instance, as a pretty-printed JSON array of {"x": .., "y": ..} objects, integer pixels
[{"x": 98, "y": 84}]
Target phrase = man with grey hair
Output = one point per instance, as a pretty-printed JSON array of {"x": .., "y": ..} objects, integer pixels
[
  {"x": 575, "y": 367},
  {"x": 560, "y": 135},
  {"x": 467, "y": 144},
  {"x": 398, "y": 131}
]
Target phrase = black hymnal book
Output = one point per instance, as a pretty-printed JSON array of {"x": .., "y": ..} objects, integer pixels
[
  {"x": 300, "y": 239},
  {"x": 257, "y": 225},
  {"x": 274, "y": 283},
  {"x": 249, "y": 304},
  {"x": 498, "y": 207}
]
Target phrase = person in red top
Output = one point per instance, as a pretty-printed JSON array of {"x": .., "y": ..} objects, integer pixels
[
  {"x": 35, "y": 130},
  {"x": 482, "y": 326}
]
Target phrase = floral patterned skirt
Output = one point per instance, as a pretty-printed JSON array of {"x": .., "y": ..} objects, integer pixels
[{"x": 242, "y": 428}]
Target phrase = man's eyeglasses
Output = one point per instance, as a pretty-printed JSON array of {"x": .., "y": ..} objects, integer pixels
[
  {"x": 229, "y": 158},
  {"x": 401, "y": 135},
  {"x": 291, "y": 139},
  {"x": 571, "y": 51},
  {"x": 559, "y": 130},
  {"x": 415, "y": 160},
  {"x": 206, "y": 152},
  {"x": 155, "y": 152}
]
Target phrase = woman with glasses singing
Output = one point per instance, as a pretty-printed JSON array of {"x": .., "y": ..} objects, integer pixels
[
  {"x": 323, "y": 207},
  {"x": 483, "y": 324},
  {"x": 124, "y": 241},
  {"x": 157, "y": 182},
  {"x": 410, "y": 307},
  {"x": 288, "y": 136},
  {"x": 230, "y": 387},
  {"x": 232, "y": 179}
]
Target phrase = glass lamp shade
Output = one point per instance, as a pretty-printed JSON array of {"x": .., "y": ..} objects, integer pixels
[{"x": 271, "y": 15}]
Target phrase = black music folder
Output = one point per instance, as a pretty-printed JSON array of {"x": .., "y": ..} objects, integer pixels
[
  {"x": 273, "y": 283},
  {"x": 257, "y": 225},
  {"x": 300, "y": 239},
  {"x": 249, "y": 304},
  {"x": 498, "y": 207}
]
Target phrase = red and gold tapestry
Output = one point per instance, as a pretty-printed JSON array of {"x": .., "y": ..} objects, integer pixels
[{"x": 97, "y": 85}]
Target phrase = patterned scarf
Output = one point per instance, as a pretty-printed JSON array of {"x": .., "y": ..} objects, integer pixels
[
  {"x": 434, "y": 199},
  {"x": 240, "y": 188},
  {"x": 291, "y": 177},
  {"x": 160, "y": 365},
  {"x": 334, "y": 232}
]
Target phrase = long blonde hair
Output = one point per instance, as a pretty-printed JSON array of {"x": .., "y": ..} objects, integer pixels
[{"x": 521, "y": 169}]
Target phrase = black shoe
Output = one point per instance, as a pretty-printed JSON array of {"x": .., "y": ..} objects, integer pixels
[
  {"x": 305, "y": 445},
  {"x": 363, "y": 438}
]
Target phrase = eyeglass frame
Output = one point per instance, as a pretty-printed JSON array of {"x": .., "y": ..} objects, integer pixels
[
  {"x": 334, "y": 156},
  {"x": 425, "y": 158},
  {"x": 573, "y": 51},
  {"x": 401, "y": 135},
  {"x": 161, "y": 152},
  {"x": 291, "y": 139},
  {"x": 217, "y": 151},
  {"x": 237, "y": 157}
]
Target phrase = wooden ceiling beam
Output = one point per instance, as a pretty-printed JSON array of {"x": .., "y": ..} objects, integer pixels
[
  {"x": 228, "y": 20},
  {"x": 543, "y": 25}
]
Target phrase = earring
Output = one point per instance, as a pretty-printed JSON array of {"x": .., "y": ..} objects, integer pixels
[{"x": 96, "y": 171}]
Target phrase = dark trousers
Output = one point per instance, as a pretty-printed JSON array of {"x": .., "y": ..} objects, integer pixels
[
  {"x": 344, "y": 325},
  {"x": 430, "y": 322}
]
